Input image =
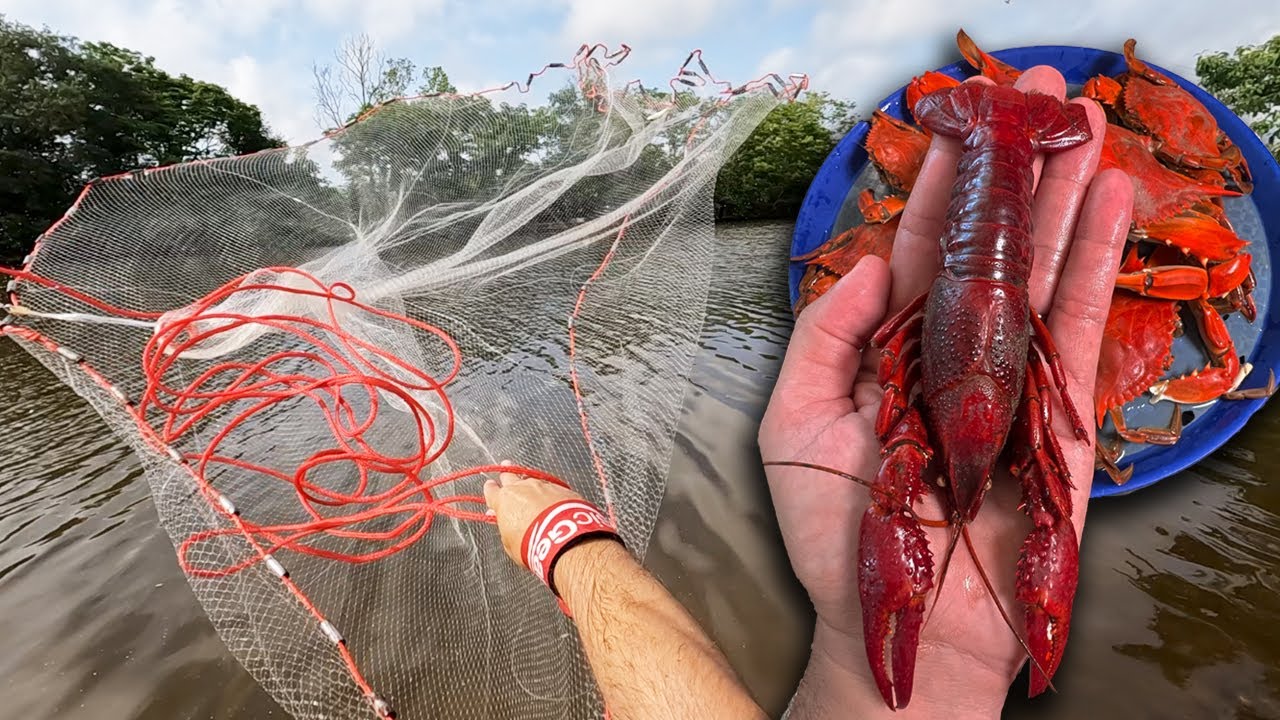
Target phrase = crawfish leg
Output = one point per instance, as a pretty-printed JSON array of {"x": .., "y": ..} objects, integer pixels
[
  {"x": 894, "y": 324},
  {"x": 1049, "y": 563},
  {"x": 895, "y": 565},
  {"x": 898, "y": 373},
  {"x": 1049, "y": 350}
]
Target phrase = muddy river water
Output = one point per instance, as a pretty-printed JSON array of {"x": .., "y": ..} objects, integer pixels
[{"x": 1178, "y": 614}]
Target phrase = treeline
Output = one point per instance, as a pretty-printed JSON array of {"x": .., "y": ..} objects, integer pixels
[
  {"x": 71, "y": 111},
  {"x": 767, "y": 178}
]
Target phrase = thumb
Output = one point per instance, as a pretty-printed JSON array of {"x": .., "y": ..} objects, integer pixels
[
  {"x": 826, "y": 347},
  {"x": 492, "y": 495}
]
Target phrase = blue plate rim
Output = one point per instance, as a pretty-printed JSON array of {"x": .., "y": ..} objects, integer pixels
[{"x": 821, "y": 206}]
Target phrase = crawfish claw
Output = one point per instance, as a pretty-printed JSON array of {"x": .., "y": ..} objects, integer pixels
[
  {"x": 895, "y": 572},
  {"x": 1047, "y": 576}
]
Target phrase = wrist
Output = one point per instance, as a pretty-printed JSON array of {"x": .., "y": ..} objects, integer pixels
[{"x": 837, "y": 683}]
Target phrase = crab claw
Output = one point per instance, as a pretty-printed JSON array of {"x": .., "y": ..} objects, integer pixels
[
  {"x": 1222, "y": 376},
  {"x": 879, "y": 211},
  {"x": 1229, "y": 275},
  {"x": 1203, "y": 385},
  {"x": 1196, "y": 234},
  {"x": 1047, "y": 576},
  {"x": 895, "y": 566},
  {"x": 1103, "y": 89}
]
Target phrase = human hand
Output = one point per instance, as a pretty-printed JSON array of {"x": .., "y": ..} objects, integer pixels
[
  {"x": 826, "y": 399},
  {"x": 516, "y": 501}
]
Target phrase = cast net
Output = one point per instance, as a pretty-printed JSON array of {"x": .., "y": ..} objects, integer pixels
[{"x": 321, "y": 352}]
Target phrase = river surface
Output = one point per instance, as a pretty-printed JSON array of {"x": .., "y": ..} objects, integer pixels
[{"x": 1178, "y": 613}]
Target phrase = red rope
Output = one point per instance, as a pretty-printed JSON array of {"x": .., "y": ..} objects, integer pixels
[
  {"x": 335, "y": 368},
  {"x": 331, "y": 367}
]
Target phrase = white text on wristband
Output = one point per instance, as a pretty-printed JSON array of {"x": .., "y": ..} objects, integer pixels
[{"x": 555, "y": 529}]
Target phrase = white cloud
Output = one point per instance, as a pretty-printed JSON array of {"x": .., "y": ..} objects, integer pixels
[
  {"x": 867, "y": 50},
  {"x": 211, "y": 40},
  {"x": 634, "y": 21},
  {"x": 262, "y": 50},
  {"x": 288, "y": 109},
  {"x": 781, "y": 61},
  {"x": 384, "y": 20}
]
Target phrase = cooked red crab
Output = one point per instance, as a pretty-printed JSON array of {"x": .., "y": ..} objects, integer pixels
[
  {"x": 837, "y": 257},
  {"x": 1185, "y": 133},
  {"x": 897, "y": 149}
]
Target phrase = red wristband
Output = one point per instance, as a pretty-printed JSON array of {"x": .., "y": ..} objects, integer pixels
[{"x": 556, "y": 529}]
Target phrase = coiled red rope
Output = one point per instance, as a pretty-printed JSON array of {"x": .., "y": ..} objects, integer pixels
[{"x": 349, "y": 382}]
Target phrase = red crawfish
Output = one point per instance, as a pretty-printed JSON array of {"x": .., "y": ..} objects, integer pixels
[{"x": 967, "y": 368}]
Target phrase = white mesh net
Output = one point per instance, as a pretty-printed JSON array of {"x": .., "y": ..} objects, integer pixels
[{"x": 567, "y": 251}]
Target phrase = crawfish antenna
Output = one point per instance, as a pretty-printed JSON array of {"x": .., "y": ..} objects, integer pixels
[
  {"x": 991, "y": 590},
  {"x": 946, "y": 564},
  {"x": 822, "y": 468}
]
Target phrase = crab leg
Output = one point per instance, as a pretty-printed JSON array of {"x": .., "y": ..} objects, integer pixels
[
  {"x": 1149, "y": 435},
  {"x": 1000, "y": 72},
  {"x": 1168, "y": 282},
  {"x": 1107, "y": 459}
]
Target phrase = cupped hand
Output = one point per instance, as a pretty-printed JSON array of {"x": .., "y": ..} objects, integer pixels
[
  {"x": 825, "y": 402},
  {"x": 516, "y": 501}
]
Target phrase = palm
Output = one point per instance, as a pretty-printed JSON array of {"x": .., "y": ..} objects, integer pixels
[
  {"x": 826, "y": 399},
  {"x": 821, "y": 513}
]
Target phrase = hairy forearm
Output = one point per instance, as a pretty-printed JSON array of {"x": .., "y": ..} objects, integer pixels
[
  {"x": 649, "y": 656},
  {"x": 837, "y": 684}
]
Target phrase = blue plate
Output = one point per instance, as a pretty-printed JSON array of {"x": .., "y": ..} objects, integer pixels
[{"x": 829, "y": 208}]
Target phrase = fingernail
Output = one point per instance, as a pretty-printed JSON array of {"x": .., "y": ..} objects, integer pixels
[
  {"x": 505, "y": 462},
  {"x": 491, "y": 513}
]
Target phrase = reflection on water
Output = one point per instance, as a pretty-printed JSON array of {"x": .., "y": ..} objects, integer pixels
[{"x": 1178, "y": 613}]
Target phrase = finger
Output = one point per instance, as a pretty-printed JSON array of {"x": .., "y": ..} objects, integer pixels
[
  {"x": 1056, "y": 209},
  {"x": 1047, "y": 81},
  {"x": 826, "y": 347},
  {"x": 1083, "y": 300},
  {"x": 492, "y": 494},
  {"x": 917, "y": 255}
]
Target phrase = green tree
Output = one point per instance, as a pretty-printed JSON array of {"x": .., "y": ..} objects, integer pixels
[
  {"x": 1248, "y": 82},
  {"x": 770, "y": 173},
  {"x": 72, "y": 111},
  {"x": 435, "y": 80}
]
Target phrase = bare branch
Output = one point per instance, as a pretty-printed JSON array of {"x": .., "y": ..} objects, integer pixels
[{"x": 360, "y": 77}]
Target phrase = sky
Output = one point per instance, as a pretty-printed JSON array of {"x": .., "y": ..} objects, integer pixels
[{"x": 263, "y": 51}]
